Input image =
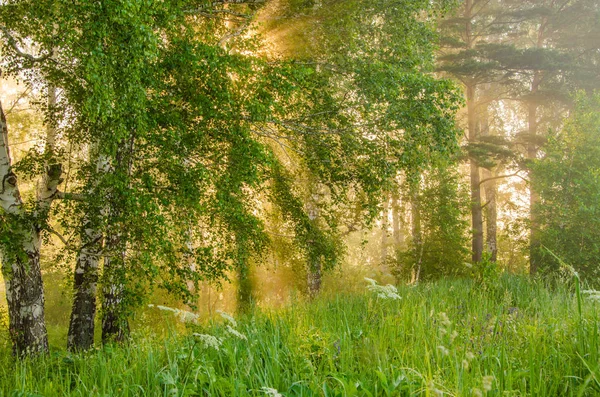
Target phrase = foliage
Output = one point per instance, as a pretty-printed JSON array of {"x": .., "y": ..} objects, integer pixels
[
  {"x": 177, "y": 133},
  {"x": 447, "y": 337},
  {"x": 567, "y": 179},
  {"x": 438, "y": 249}
]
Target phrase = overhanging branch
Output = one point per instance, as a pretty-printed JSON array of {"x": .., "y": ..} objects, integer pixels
[
  {"x": 12, "y": 42},
  {"x": 502, "y": 176},
  {"x": 69, "y": 196},
  {"x": 221, "y": 3}
]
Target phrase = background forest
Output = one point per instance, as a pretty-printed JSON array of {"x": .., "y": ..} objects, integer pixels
[{"x": 249, "y": 154}]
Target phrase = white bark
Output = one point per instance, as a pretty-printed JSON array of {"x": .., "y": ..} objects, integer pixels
[
  {"x": 314, "y": 267},
  {"x": 83, "y": 314},
  {"x": 21, "y": 256},
  {"x": 384, "y": 230}
]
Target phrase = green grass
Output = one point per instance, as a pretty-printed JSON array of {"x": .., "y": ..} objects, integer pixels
[{"x": 511, "y": 338}]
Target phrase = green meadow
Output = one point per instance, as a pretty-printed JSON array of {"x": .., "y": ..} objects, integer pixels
[{"x": 512, "y": 337}]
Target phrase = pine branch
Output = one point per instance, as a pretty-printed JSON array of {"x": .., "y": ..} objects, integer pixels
[{"x": 502, "y": 176}]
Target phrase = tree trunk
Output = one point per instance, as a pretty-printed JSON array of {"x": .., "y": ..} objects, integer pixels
[
  {"x": 115, "y": 324},
  {"x": 314, "y": 266},
  {"x": 491, "y": 215},
  {"x": 314, "y": 277},
  {"x": 490, "y": 190},
  {"x": 21, "y": 255},
  {"x": 417, "y": 236},
  {"x": 397, "y": 223},
  {"x": 25, "y": 293},
  {"x": 115, "y": 327},
  {"x": 532, "y": 150},
  {"x": 245, "y": 291},
  {"x": 384, "y": 230},
  {"x": 534, "y": 241},
  {"x": 83, "y": 314},
  {"x": 476, "y": 210}
]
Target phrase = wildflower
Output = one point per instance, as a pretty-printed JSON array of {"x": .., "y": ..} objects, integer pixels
[
  {"x": 486, "y": 382},
  {"x": 444, "y": 319},
  {"x": 228, "y": 317},
  {"x": 465, "y": 364},
  {"x": 236, "y": 333},
  {"x": 476, "y": 392},
  {"x": 443, "y": 350},
  {"x": 434, "y": 390},
  {"x": 592, "y": 295},
  {"x": 183, "y": 315},
  {"x": 271, "y": 392},
  {"x": 470, "y": 356},
  {"x": 209, "y": 340},
  {"x": 383, "y": 291},
  {"x": 453, "y": 336}
]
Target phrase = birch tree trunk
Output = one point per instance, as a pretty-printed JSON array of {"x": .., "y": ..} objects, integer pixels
[
  {"x": 83, "y": 313},
  {"x": 397, "y": 223},
  {"x": 115, "y": 324},
  {"x": 21, "y": 254},
  {"x": 115, "y": 327},
  {"x": 245, "y": 290},
  {"x": 315, "y": 267},
  {"x": 417, "y": 236},
  {"x": 314, "y": 276},
  {"x": 384, "y": 231}
]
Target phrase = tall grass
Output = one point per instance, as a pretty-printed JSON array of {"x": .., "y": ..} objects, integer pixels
[{"x": 511, "y": 337}]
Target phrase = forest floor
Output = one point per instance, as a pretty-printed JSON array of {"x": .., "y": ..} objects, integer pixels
[{"x": 509, "y": 337}]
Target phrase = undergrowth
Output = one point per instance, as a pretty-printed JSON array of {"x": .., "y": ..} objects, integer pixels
[{"x": 512, "y": 337}]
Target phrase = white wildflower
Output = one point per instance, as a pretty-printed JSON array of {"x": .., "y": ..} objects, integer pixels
[
  {"x": 228, "y": 317},
  {"x": 470, "y": 356},
  {"x": 443, "y": 350},
  {"x": 271, "y": 392},
  {"x": 383, "y": 291},
  {"x": 371, "y": 281},
  {"x": 183, "y": 315},
  {"x": 453, "y": 336},
  {"x": 592, "y": 295},
  {"x": 209, "y": 340},
  {"x": 187, "y": 317},
  {"x": 486, "y": 382},
  {"x": 476, "y": 392},
  {"x": 444, "y": 319},
  {"x": 236, "y": 333},
  {"x": 434, "y": 390}
]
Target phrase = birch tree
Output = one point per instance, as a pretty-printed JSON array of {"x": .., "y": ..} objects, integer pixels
[{"x": 177, "y": 135}]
